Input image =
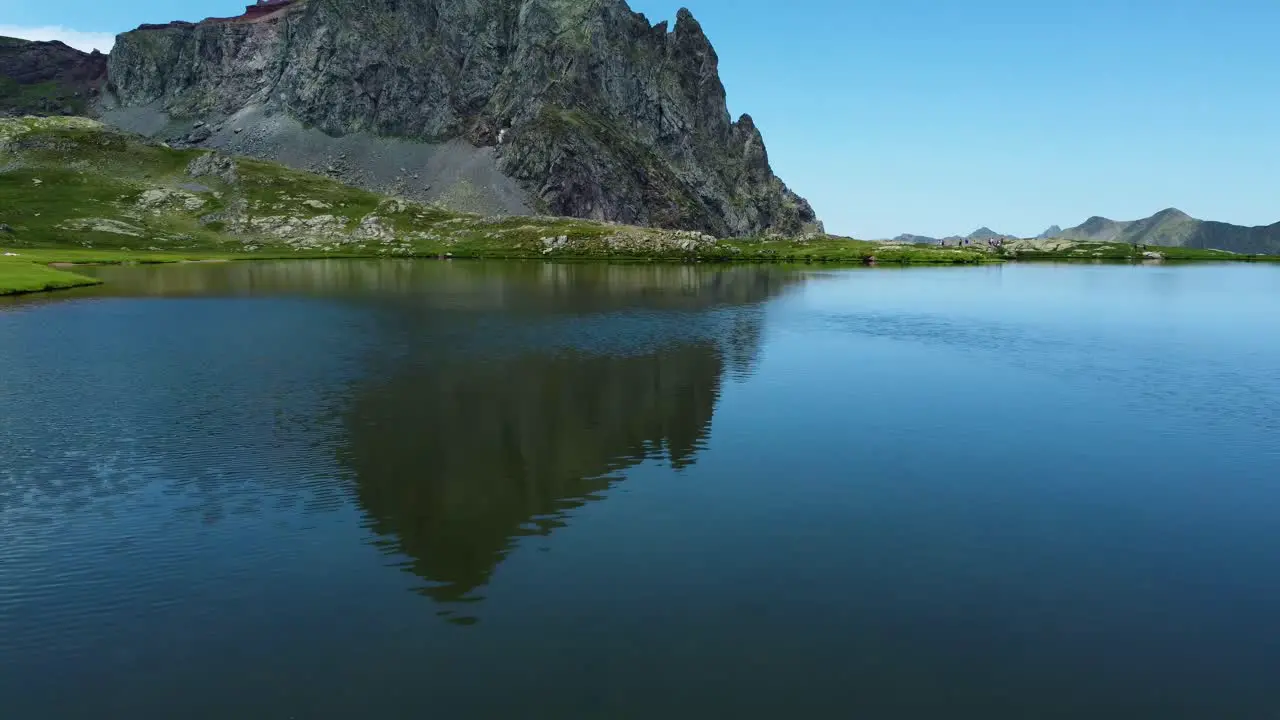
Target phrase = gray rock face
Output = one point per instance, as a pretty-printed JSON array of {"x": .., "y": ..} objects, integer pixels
[
  {"x": 214, "y": 165},
  {"x": 594, "y": 112}
]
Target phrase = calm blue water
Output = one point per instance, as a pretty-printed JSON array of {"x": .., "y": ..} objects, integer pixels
[{"x": 399, "y": 489}]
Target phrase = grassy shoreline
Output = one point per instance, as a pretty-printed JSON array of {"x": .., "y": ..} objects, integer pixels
[
  {"x": 33, "y": 270},
  {"x": 1060, "y": 251},
  {"x": 73, "y": 191},
  {"x": 19, "y": 277}
]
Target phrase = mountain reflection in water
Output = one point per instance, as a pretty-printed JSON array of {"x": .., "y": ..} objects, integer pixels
[
  {"x": 487, "y": 425},
  {"x": 468, "y": 404}
]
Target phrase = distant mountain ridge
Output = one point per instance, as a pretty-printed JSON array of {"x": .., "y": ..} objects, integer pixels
[
  {"x": 982, "y": 234},
  {"x": 1173, "y": 228},
  {"x": 1168, "y": 228}
]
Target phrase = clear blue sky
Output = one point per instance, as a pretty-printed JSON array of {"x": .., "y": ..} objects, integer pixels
[{"x": 937, "y": 116}]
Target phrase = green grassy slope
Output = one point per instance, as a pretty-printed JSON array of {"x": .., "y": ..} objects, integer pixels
[
  {"x": 72, "y": 190},
  {"x": 72, "y": 183}
]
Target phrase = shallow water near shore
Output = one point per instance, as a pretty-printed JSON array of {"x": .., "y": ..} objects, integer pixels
[{"x": 321, "y": 489}]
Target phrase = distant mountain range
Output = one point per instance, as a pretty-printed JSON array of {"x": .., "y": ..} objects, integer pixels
[
  {"x": 1170, "y": 228},
  {"x": 982, "y": 234}
]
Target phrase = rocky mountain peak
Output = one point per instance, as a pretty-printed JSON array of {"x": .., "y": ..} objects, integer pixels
[
  {"x": 986, "y": 233},
  {"x": 1096, "y": 222},
  {"x": 572, "y": 107},
  {"x": 1171, "y": 214},
  {"x": 688, "y": 33}
]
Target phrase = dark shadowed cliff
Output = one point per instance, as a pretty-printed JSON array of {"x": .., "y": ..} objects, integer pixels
[
  {"x": 47, "y": 78},
  {"x": 568, "y": 107}
]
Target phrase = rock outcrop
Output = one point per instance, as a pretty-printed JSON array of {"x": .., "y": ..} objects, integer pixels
[
  {"x": 588, "y": 108},
  {"x": 48, "y": 78}
]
